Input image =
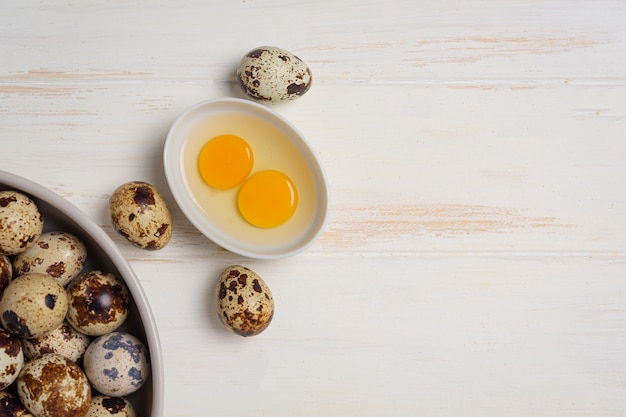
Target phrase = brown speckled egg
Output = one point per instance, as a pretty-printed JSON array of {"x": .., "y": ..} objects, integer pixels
[
  {"x": 6, "y": 272},
  {"x": 107, "y": 406},
  {"x": 273, "y": 74},
  {"x": 64, "y": 340},
  {"x": 32, "y": 305},
  {"x": 11, "y": 358},
  {"x": 58, "y": 254},
  {"x": 98, "y": 303},
  {"x": 244, "y": 301},
  {"x": 117, "y": 364},
  {"x": 139, "y": 213},
  {"x": 11, "y": 406},
  {"x": 52, "y": 386},
  {"x": 21, "y": 223}
]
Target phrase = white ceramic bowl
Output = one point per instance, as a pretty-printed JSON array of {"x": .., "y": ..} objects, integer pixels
[
  {"x": 276, "y": 144},
  {"x": 102, "y": 253}
]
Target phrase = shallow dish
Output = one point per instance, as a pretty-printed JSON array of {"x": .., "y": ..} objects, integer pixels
[
  {"x": 277, "y": 145},
  {"x": 102, "y": 253}
]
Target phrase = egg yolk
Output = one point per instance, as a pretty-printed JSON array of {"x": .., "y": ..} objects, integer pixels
[
  {"x": 267, "y": 199},
  {"x": 225, "y": 161}
]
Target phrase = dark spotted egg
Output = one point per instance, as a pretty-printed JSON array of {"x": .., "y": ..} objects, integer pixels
[
  {"x": 244, "y": 301},
  {"x": 116, "y": 364},
  {"x": 21, "y": 223},
  {"x": 272, "y": 74},
  {"x": 58, "y": 254},
  {"x": 6, "y": 272},
  {"x": 11, "y": 358},
  {"x": 98, "y": 303},
  {"x": 32, "y": 305},
  {"x": 52, "y": 386},
  {"x": 11, "y": 406},
  {"x": 140, "y": 214},
  {"x": 107, "y": 406}
]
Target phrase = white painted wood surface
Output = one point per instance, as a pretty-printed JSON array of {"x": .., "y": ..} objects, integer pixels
[{"x": 474, "y": 261}]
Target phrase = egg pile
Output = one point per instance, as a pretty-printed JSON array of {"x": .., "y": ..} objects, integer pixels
[{"x": 61, "y": 349}]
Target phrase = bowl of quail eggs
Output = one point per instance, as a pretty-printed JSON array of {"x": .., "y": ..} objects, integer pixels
[
  {"x": 244, "y": 175},
  {"x": 77, "y": 335}
]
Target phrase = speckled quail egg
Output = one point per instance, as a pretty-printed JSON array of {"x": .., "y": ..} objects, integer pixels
[
  {"x": 11, "y": 358},
  {"x": 272, "y": 74},
  {"x": 21, "y": 222},
  {"x": 117, "y": 364},
  {"x": 52, "y": 386},
  {"x": 58, "y": 254},
  {"x": 6, "y": 272},
  {"x": 107, "y": 406},
  {"x": 244, "y": 301},
  {"x": 64, "y": 340},
  {"x": 32, "y": 305},
  {"x": 140, "y": 213},
  {"x": 98, "y": 303},
  {"x": 11, "y": 406}
]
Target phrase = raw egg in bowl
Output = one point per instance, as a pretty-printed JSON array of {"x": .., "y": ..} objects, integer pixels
[{"x": 246, "y": 178}]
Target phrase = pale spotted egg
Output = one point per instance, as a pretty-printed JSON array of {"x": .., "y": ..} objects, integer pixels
[
  {"x": 272, "y": 74},
  {"x": 32, "y": 305},
  {"x": 64, "y": 340},
  {"x": 117, "y": 364},
  {"x": 11, "y": 358},
  {"x": 21, "y": 222},
  {"x": 140, "y": 213},
  {"x": 244, "y": 301},
  {"x": 58, "y": 254}
]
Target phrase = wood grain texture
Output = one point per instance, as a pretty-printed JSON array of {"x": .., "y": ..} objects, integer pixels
[{"x": 474, "y": 259}]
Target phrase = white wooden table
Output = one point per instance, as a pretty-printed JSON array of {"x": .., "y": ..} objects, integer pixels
[{"x": 474, "y": 263}]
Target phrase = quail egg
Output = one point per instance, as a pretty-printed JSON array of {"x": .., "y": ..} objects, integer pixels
[
  {"x": 21, "y": 222},
  {"x": 6, "y": 272},
  {"x": 11, "y": 358},
  {"x": 140, "y": 214},
  {"x": 117, "y": 364},
  {"x": 58, "y": 254},
  {"x": 32, "y": 305},
  {"x": 244, "y": 301},
  {"x": 52, "y": 386},
  {"x": 64, "y": 340},
  {"x": 106, "y": 406},
  {"x": 273, "y": 74},
  {"x": 11, "y": 406},
  {"x": 98, "y": 303}
]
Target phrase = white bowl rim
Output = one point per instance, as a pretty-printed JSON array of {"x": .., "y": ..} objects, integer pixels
[
  {"x": 117, "y": 258},
  {"x": 173, "y": 173}
]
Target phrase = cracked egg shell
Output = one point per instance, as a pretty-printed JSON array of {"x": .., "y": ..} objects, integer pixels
[
  {"x": 32, "y": 305},
  {"x": 11, "y": 358},
  {"x": 98, "y": 303},
  {"x": 244, "y": 301},
  {"x": 272, "y": 74},
  {"x": 58, "y": 254},
  {"x": 107, "y": 406},
  {"x": 11, "y": 406},
  {"x": 117, "y": 364},
  {"x": 139, "y": 213},
  {"x": 21, "y": 222},
  {"x": 64, "y": 340},
  {"x": 52, "y": 385}
]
